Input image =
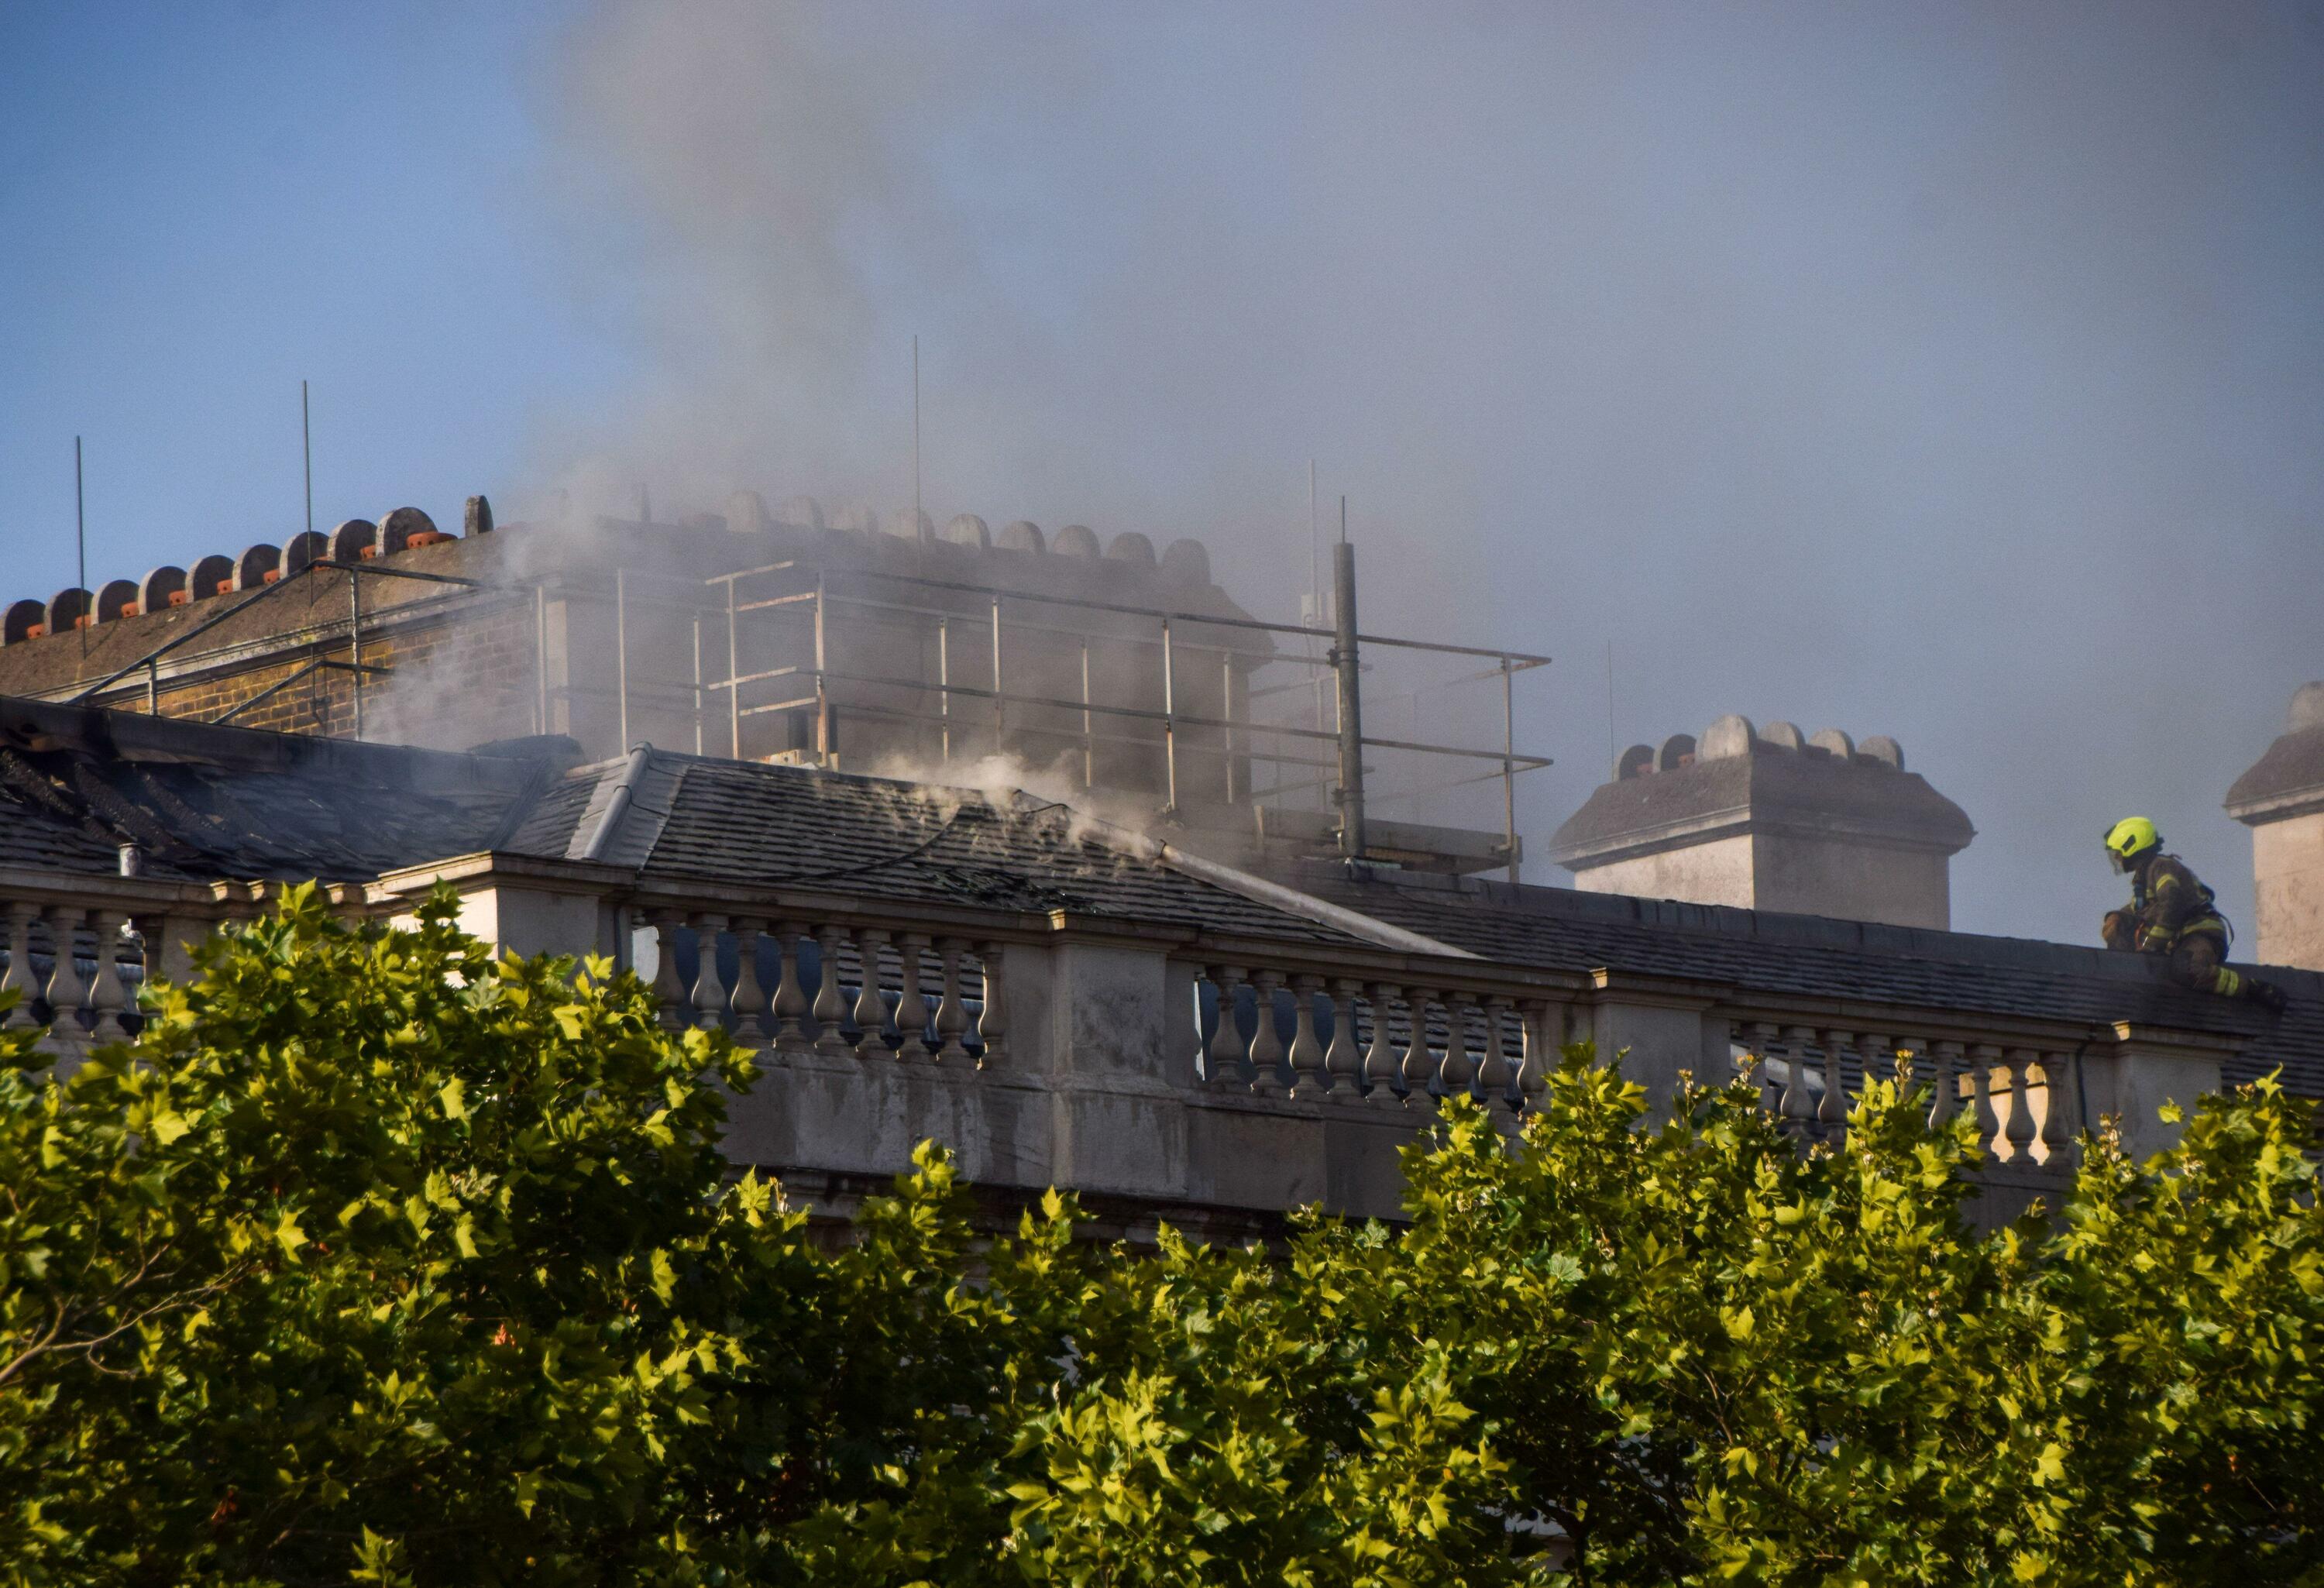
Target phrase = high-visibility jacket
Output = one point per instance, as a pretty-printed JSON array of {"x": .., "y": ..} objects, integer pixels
[{"x": 2170, "y": 902}]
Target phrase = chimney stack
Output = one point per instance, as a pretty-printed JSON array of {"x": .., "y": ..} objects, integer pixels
[
  {"x": 1771, "y": 820},
  {"x": 2280, "y": 798}
]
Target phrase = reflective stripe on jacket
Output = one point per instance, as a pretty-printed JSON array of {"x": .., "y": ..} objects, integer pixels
[{"x": 2171, "y": 903}]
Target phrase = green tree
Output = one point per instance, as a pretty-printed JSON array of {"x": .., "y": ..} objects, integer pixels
[{"x": 379, "y": 1259}]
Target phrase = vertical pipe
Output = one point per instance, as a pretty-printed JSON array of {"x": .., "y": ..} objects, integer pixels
[
  {"x": 1226, "y": 715},
  {"x": 1347, "y": 664},
  {"x": 697, "y": 683},
  {"x": 1509, "y": 767},
  {"x": 1169, "y": 720},
  {"x": 944, "y": 686},
  {"x": 152, "y": 685},
  {"x": 1089, "y": 739},
  {"x": 354, "y": 642},
  {"x": 540, "y": 657},
  {"x": 306, "y": 455},
  {"x": 1000, "y": 710},
  {"x": 734, "y": 675},
  {"x": 821, "y": 697},
  {"x": 622, "y": 653}
]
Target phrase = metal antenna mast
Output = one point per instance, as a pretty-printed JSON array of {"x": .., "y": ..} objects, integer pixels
[
  {"x": 81, "y": 548},
  {"x": 916, "y": 434},
  {"x": 1315, "y": 552},
  {"x": 1613, "y": 754}
]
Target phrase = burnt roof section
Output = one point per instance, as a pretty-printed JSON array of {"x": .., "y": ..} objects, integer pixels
[
  {"x": 1806, "y": 792},
  {"x": 209, "y": 803},
  {"x": 1767, "y": 951},
  {"x": 752, "y": 824},
  {"x": 2289, "y": 780}
]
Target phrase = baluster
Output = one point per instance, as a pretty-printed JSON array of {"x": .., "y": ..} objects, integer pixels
[
  {"x": 1342, "y": 1060},
  {"x": 750, "y": 1001},
  {"x": 668, "y": 991},
  {"x": 991, "y": 1020},
  {"x": 1307, "y": 1078},
  {"x": 1945, "y": 1060},
  {"x": 1459, "y": 1073},
  {"x": 1540, "y": 1052},
  {"x": 168, "y": 945},
  {"x": 2061, "y": 1109},
  {"x": 830, "y": 1007},
  {"x": 65, "y": 987},
  {"x": 170, "y": 938},
  {"x": 1380, "y": 1064},
  {"x": 1831, "y": 1108},
  {"x": 911, "y": 1003},
  {"x": 951, "y": 1014},
  {"x": 1419, "y": 1060},
  {"x": 710, "y": 995},
  {"x": 1266, "y": 1041},
  {"x": 792, "y": 1004},
  {"x": 1758, "y": 1037},
  {"x": 105, "y": 995},
  {"x": 1982, "y": 1058},
  {"x": 1223, "y": 1064},
  {"x": 2019, "y": 1133},
  {"x": 18, "y": 976},
  {"x": 871, "y": 1009},
  {"x": 1794, "y": 1103},
  {"x": 1493, "y": 1073},
  {"x": 1873, "y": 1050}
]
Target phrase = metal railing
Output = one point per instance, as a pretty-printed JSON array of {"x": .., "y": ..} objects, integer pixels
[
  {"x": 1162, "y": 699},
  {"x": 818, "y": 598}
]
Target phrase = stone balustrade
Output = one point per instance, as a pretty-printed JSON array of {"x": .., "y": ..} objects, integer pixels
[
  {"x": 2026, "y": 1094},
  {"x": 1332, "y": 1032},
  {"x": 75, "y": 954},
  {"x": 1204, "y": 1079},
  {"x": 793, "y": 987}
]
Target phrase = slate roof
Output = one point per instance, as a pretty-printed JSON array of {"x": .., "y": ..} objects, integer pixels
[
  {"x": 750, "y": 823},
  {"x": 205, "y": 803},
  {"x": 1810, "y": 955},
  {"x": 208, "y": 803}
]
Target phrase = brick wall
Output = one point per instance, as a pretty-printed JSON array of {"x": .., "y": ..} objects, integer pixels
[{"x": 469, "y": 678}]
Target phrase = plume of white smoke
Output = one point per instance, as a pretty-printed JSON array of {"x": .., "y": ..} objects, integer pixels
[
  {"x": 1907, "y": 372},
  {"x": 1009, "y": 784}
]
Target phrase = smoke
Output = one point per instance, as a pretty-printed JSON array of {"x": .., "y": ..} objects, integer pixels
[
  {"x": 1010, "y": 783},
  {"x": 1948, "y": 373}
]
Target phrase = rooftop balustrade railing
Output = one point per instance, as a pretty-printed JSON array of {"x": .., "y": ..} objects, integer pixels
[{"x": 843, "y": 984}]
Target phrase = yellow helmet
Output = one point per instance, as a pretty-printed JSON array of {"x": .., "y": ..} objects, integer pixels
[{"x": 2129, "y": 839}]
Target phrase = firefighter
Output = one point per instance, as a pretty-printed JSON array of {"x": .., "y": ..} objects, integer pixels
[{"x": 2171, "y": 913}]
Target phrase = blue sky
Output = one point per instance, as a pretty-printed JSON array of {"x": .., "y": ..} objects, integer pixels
[
  {"x": 199, "y": 206},
  {"x": 1952, "y": 371}
]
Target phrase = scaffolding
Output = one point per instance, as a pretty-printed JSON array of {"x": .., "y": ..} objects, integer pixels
[
  {"x": 1217, "y": 716},
  {"x": 1190, "y": 695}
]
